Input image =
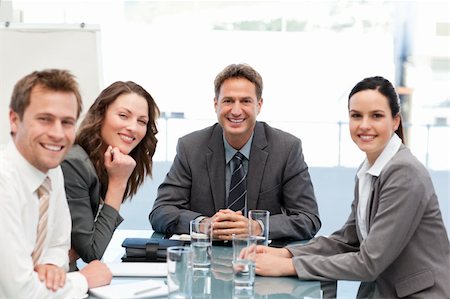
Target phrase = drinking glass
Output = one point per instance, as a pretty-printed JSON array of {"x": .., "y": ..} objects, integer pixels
[
  {"x": 259, "y": 225},
  {"x": 179, "y": 272},
  {"x": 244, "y": 254},
  {"x": 201, "y": 243}
]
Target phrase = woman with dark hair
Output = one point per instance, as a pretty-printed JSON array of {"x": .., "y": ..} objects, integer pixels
[
  {"x": 394, "y": 239},
  {"x": 111, "y": 157}
]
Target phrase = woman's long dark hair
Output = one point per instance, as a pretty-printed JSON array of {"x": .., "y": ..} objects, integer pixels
[
  {"x": 386, "y": 88},
  {"x": 90, "y": 139}
]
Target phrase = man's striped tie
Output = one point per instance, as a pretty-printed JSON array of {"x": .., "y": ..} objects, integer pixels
[
  {"x": 44, "y": 196},
  {"x": 237, "y": 197}
]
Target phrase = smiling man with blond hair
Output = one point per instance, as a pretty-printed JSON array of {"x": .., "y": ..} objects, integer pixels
[{"x": 34, "y": 215}]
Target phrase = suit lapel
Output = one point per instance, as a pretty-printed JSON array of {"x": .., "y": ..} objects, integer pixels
[
  {"x": 215, "y": 162},
  {"x": 256, "y": 165},
  {"x": 356, "y": 195},
  {"x": 372, "y": 205}
]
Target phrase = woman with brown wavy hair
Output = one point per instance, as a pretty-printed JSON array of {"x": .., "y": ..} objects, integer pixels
[{"x": 111, "y": 157}]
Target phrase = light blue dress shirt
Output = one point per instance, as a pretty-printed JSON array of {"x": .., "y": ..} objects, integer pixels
[{"x": 229, "y": 154}]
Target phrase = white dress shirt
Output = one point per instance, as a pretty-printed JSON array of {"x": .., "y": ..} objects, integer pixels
[
  {"x": 19, "y": 216},
  {"x": 365, "y": 176}
]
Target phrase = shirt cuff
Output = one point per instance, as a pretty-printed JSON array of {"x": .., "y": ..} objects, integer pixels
[
  {"x": 79, "y": 284},
  {"x": 262, "y": 227},
  {"x": 200, "y": 218},
  {"x": 109, "y": 212}
]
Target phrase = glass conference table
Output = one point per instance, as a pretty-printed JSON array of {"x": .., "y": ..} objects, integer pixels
[{"x": 218, "y": 281}]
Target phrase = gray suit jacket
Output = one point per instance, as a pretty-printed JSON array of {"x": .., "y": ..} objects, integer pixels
[
  {"x": 278, "y": 180},
  {"x": 89, "y": 237},
  {"x": 406, "y": 252}
]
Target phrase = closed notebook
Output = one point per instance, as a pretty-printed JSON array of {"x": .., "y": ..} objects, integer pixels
[{"x": 147, "y": 249}]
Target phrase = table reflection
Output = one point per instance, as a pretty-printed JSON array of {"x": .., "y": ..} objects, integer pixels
[
  {"x": 265, "y": 287},
  {"x": 201, "y": 283},
  {"x": 216, "y": 282}
]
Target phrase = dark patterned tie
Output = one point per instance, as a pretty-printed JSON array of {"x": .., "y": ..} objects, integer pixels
[{"x": 237, "y": 196}]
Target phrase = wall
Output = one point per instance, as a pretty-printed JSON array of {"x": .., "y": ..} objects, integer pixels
[{"x": 26, "y": 48}]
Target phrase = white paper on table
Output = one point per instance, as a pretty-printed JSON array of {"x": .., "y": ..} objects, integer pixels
[
  {"x": 182, "y": 237},
  {"x": 138, "y": 269},
  {"x": 132, "y": 290}
]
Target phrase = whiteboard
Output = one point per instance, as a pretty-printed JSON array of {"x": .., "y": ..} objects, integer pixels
[{"x": 25, "y": 48}]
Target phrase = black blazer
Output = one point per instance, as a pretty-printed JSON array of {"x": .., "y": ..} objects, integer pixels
[{"x": 89, "y": 237}]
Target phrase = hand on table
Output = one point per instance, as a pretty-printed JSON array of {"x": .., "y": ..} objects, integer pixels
[
  {"x": 228, "y": 222},
  {"x": 273, "y": 265},
  {"x": 54, "y": 276},
  {"x": 281, "y": 252},
  {"x": 97, "y": 274}
]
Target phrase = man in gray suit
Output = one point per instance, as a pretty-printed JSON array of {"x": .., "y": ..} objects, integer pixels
[{"x": 275, "y": 176}]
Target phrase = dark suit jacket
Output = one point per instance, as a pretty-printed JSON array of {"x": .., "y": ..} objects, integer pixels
[
  {"x": 277, "y": 180},
  {"x": 89, "y": 238},
  {"x": 406, "y": 252}
]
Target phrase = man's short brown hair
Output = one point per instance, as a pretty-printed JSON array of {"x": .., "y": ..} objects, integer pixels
[
  {"x": 50, "y": 79},
  {"x": 239, "y": 71}
]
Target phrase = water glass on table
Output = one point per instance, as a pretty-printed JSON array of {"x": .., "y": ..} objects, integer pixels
[
  {"x": 259, "y": 225},
  {"x": 201, "y": 243},
  {"x": 201, "y": 284},
  {"x": 244, "y": 254},
  {"x": 179, "y": 272}
]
